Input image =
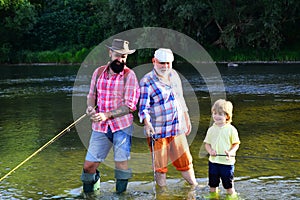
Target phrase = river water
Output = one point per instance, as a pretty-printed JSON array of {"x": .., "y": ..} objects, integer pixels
[{"x": 36, "y": 105}]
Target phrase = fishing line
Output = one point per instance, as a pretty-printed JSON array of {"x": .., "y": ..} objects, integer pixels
[{"x": 45, "y": 145}]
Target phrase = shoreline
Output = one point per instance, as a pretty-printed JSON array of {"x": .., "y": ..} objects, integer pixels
[
  {"x": 217, "y": 62},
  {"x": 40, "y": 64},
  {"x": 258, "y": 62}
]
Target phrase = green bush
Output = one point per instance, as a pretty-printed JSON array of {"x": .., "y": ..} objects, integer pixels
[
  {"x": 48, "y": 57},
  {"x": 81, "y": 55},
  {"x": 4, "y": 52},
  {"x": 65, "y": 57}
]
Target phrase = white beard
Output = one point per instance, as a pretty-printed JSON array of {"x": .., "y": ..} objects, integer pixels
[{"x": 163, "y": 74}]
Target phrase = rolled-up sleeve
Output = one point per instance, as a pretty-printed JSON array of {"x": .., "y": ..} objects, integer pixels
[
  {"x": 144, "y": 101},
  {"x": 92, "y": 92},
  {"x": 132, "y": 91}
]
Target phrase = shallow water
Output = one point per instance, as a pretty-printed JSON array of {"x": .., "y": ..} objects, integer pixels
[{"x": 36, "y": 104}]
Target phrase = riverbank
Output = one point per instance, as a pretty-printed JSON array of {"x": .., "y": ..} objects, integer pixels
[
  {"x": 219, "y": 56},
  {"x": 257, "y": 62},
  {"x": 228, "y": 63}
]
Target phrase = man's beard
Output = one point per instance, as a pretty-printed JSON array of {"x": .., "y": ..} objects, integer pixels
[
  {"x": 117, "y": 66},
  {"x": 164, "y": 73}
]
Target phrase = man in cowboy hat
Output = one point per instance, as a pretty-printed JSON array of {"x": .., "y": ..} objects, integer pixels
[{"x": 113, "y": 95}]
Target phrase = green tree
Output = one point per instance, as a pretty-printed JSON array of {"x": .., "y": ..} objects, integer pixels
[
  {"x": 17, "y": 18},
  {"x": 254, "y": 23},
  {"x": 71, "y": 24}
]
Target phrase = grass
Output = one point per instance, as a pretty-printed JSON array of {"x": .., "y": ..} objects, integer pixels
[
  {"x": 218, "y": 55},
  {"x": 254, "y": 55}
]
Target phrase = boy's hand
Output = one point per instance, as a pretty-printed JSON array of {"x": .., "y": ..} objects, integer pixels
[
  {"x": 227, "y": 154},
  {"x": 212, "y": 152}
]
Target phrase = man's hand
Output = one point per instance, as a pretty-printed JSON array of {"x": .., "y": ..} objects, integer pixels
[
  {"x": 90, "y": 111},
  {"x": 148, "y": 128},
  {"x": 188, "y": 123},
  {"x": 189, "y": 126},
  {"x": 98, "y": 117}
]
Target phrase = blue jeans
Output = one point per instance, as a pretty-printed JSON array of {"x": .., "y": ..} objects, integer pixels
[{"x": 101, "y": 143}]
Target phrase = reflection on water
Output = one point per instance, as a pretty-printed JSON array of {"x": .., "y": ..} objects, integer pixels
[
  {"x": 273, "y": 80},
  {"x": 36, "y": 105},
  {"x": 260, "y": 80}
]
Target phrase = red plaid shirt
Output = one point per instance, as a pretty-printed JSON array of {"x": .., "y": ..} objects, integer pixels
[{"x": 112, "y": 93}]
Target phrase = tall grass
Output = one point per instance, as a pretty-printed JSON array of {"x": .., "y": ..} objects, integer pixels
[
  {"x": 51, "y": 56},
  {"x": 253, "y": 55},
  {"x": 218, "y": 55}
]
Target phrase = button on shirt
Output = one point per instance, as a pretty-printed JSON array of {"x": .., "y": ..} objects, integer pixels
[
  {"x": 162, "y": 104},
  {"x": 114, "y": 91}
]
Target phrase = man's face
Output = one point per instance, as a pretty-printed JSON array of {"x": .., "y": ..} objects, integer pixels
[
  {"x": 115, "y": 55},
  {"x": 162, "y": 68}
]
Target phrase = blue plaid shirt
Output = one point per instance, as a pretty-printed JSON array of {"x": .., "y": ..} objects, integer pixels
[{"x": 158, "y": 105}]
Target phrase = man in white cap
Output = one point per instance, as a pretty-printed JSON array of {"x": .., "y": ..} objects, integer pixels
[
  {"x": 166, "y": 121},
  {"x": 113, "y": 95}
]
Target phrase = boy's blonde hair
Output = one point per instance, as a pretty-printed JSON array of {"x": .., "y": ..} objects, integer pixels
[{"x": 223, "y": 106}]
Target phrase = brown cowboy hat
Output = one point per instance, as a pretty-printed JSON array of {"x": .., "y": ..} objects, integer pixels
[{"x": 121, "y": 46}]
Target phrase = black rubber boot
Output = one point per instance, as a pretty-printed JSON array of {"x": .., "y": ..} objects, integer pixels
[
  {"x": 121, "y": 185},
  {"x": 122, "y": 177},
  {"x": 91, "y": 182}
]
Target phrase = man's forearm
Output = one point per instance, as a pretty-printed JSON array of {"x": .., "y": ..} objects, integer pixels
[
  {"x": 123, "y": 110},
  {"x": 90, "y": 102}
]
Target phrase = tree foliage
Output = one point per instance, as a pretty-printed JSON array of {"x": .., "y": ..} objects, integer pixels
[
  {"x": 16, "y": 20},
  {"x": 71, "y": 25}
]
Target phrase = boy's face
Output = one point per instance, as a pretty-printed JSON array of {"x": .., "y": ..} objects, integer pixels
[{"x": 219, "y": 118}]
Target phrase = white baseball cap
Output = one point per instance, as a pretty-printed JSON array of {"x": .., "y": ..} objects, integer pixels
[{"x": 164, "y": 55}]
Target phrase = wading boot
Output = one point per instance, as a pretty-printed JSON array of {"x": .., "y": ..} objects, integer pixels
[
  {"x": 91, "y": 182},
  {"x": 122, "y": 177}
]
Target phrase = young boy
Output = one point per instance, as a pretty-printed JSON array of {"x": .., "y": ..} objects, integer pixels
[{"x": 222, "y": 142}]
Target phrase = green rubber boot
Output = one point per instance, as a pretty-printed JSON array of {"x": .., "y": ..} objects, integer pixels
[
  {"x": 232, "y": 196},
  {"x": 212, "y": 196},
  {"x": 91, "y": 182},
  {"x": 122, "y": 177}
]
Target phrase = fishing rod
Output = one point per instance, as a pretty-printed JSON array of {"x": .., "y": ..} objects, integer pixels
[
  {"x": 153, "y": 164},
  {"x": 203, "y": 153},
  {"x": 45, "y": 145},
  {"x": 259, "y": 157}
]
